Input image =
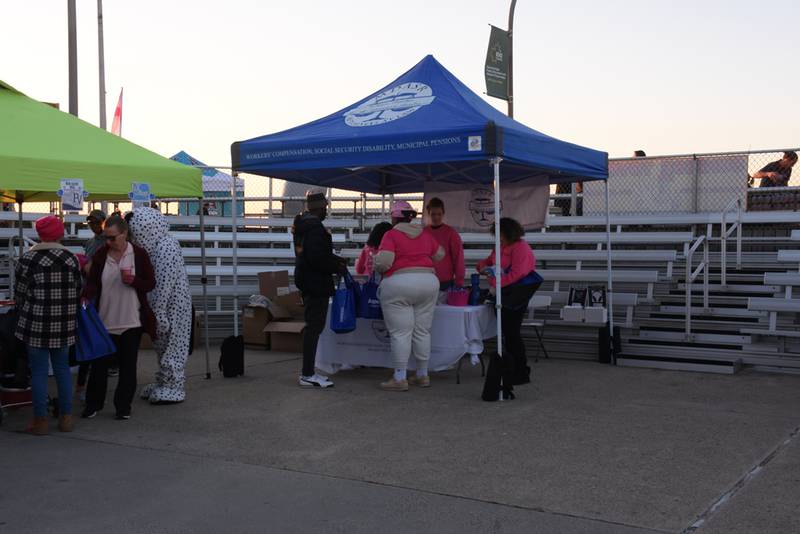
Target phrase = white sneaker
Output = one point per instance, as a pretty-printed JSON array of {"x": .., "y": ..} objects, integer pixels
[{"x": 315, "y": 381}]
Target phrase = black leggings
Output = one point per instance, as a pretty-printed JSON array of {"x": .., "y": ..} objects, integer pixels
[
  {"x": 127, "y": 355},
  {"x": 513, "y": 345}
]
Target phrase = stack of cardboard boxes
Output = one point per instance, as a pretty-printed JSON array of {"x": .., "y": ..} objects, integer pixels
[{"x": 278, "y": 327}]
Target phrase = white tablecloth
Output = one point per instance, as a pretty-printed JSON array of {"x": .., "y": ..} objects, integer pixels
[{"x": 456, "y": 331}]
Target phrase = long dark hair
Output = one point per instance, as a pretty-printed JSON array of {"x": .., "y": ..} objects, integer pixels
[{"x": 377, "y": 233}]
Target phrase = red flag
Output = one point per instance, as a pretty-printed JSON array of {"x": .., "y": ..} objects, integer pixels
[{"x": 116, "y": 126}]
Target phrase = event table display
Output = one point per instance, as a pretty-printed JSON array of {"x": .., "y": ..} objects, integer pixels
[{"x": 456, "y": 331}]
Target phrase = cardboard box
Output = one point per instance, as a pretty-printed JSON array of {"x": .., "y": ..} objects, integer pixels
[
  {"x": 285, "y": 325},
  {"x": 270, "y": 282},
  {"x": 254, "y": 319},
  {"x": 287, "y": 306},
  {"x": 286, "y": 336}
]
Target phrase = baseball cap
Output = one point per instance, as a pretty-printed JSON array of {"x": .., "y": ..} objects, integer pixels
[{"x": 401, "y": 206}]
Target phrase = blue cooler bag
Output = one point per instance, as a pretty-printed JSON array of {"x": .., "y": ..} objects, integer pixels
[
  {"x": 369, "y": 305},
  {"x": 343, "y": 309},
  {"x": 93, "y": 338}
]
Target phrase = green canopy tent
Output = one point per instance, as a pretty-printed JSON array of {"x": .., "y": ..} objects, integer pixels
[{"x": 40, "y": 146}]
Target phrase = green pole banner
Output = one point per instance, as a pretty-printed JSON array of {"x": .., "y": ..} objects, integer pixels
[{"x": 497, "y": 58}]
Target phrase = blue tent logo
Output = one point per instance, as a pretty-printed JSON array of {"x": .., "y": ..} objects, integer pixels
[{"x": 395, "y": 103}]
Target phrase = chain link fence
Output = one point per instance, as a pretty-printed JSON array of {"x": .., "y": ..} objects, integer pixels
[{"x": 693, "y": 183}]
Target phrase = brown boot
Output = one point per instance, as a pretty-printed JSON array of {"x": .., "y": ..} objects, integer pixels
[
  {"x": 65, "y": 423},
  {"x": 38, "y": 427}
]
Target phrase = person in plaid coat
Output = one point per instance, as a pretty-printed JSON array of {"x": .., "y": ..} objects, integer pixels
[{"x": 46, "y": 292}]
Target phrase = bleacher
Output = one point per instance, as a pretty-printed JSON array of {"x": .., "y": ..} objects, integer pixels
[{"x": 751, "y": 319}]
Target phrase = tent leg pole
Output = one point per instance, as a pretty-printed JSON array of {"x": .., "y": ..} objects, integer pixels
[
  {"x": 235, "y": 257},
  {"x": 497, "y": 263},
  {"x": 204, "y": 282},
  {"x": 21, "y": 234},
  {"x": 609, "y": 296}
]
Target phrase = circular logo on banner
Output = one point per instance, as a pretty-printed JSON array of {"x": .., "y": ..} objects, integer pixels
[
  {"x": 390, "y": 105},
  {"x": 481, "y": 206}
]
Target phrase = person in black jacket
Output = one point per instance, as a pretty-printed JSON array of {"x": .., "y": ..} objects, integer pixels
[{"x": 315, "y": 265}]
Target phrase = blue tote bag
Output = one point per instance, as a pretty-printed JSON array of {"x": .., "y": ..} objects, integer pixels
[
  {"x": 369, "y": 305},
  {"x": 93, "y": 338},
  {"x": 343, "y": 309}
]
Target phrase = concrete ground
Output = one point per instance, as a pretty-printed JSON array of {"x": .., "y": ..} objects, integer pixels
[{"x": 586, "y": 448}]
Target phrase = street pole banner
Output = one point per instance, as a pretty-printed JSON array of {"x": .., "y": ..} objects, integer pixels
[
  {"x": 472, "y": 210},
  {"x": 497, "y": 60}
]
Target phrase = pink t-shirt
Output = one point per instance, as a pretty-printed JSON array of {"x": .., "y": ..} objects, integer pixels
[
  {"x": 517, "y": 261},
  {"x": 409, "y": 252},
  {"x": 451, "y": 268}
]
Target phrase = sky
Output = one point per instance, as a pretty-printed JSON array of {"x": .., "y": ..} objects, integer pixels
[{"x": 669, "y": 77}]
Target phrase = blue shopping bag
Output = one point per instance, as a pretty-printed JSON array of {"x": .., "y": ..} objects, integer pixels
[
  {"x": 369, "y": 305},
  {"x": 93, "y": 338},
  {"x": 343, "y": 309}
]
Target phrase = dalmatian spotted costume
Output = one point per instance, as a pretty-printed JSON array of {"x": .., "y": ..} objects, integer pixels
[{"x": 171, "y": 302}]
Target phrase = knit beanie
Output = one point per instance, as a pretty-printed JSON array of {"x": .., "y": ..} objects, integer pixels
[{"x": 50, "y": 229}]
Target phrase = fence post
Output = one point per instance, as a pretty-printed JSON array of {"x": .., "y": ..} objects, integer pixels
[
  {"x": 696, "y": 184},
  {"x": 573, "y": 201}
]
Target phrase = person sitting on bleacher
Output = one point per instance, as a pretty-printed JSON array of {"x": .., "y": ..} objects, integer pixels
[{"x": 777, "y": 173}]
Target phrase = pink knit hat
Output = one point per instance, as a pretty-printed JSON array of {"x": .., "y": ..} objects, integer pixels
[
  {"x": 50, "y": 228},
  {"x": 400, "y": 206}
]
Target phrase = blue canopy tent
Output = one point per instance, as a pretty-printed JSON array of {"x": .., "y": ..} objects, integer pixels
[{"x": 425, "y": 126}]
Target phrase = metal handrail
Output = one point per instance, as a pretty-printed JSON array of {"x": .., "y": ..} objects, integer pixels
[
  {"x": 12, "y": 250},
  {"x": 724, "y": 233},
  {"x": 691, "y": 276}
]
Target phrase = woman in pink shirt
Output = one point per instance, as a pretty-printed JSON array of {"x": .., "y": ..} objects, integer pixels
[
  {"x": 365, "y": 264},
  {"x": 449, "y": 271},
  {"x": 519, "y": 282},
  {"x": 408, "y": 293}
]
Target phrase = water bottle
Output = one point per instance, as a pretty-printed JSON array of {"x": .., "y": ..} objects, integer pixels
[{"x": 475, "y": 292}]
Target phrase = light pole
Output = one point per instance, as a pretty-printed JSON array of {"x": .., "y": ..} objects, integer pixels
[
  {"x": 511, "y": 58},
  {"x": 102, "y": 66},
  {"x": 72, "y": 45}
]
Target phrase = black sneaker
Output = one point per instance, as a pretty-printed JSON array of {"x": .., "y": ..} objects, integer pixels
[
  {"x": 113, "y": 371},
  {"x": 88, "y": 413},
  {"x": 121, "y": 417}
]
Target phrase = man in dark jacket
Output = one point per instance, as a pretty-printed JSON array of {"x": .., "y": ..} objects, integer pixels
[{"x": 315, "y": 266}]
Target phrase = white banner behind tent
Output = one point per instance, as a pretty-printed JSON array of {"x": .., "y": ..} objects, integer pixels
[
  {"x": 472, "y": 210},
  {"x": 667, "y": 185}
]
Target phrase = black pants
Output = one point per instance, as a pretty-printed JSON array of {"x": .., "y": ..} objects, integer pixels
[
  {"x": 514, "y": 355},
  {"x": 316, "y": 312},
  {"x": 126, "y": 357},
  {"x": 83, "y": 373}
]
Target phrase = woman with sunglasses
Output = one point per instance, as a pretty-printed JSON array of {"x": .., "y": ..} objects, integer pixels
[{"x": 121, "y": 275}]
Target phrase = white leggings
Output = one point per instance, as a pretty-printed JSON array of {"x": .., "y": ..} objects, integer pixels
[{"x": 408, "y": 301}]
